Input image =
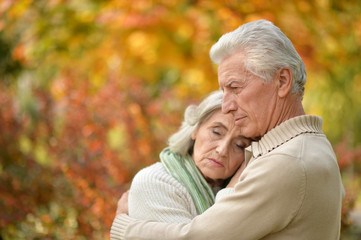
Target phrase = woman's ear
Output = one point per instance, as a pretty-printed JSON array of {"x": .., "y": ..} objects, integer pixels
[
  {"x": 285, "y": 79},
  {"x": 194, "y": 134}
]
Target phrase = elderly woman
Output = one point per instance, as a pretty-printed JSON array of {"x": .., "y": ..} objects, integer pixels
[{"x": 200, "y": 159}]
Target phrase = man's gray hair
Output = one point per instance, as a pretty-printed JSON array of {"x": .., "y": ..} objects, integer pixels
[
  {"x": 181, "y": 142},
  {"x": 266, "y": 49}
]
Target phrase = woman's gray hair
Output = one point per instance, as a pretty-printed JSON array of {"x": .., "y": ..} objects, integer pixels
[
  {"x": 266, "y": 49},
  {"x": 181, "y": 142}
]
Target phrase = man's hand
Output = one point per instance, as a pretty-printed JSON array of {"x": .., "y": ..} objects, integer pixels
[{"x": 123, "y": 204}]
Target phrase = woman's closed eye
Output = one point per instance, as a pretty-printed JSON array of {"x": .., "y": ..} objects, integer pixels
[
  {"x": 216, "y": 131},
  {"x": 240, "y": 146},
  {"x": 219, "y": 130}
]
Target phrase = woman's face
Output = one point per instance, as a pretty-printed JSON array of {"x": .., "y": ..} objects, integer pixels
[{"x": 219, "y": 148}]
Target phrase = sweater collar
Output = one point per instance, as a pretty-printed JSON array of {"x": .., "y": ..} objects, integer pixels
[{"x": 285, "y": 132}]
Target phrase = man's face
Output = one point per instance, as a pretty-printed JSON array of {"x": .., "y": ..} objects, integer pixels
[{"x": 251, "y": 101}]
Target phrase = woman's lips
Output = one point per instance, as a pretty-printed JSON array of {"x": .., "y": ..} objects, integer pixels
[{"x": 215, "y": 163}]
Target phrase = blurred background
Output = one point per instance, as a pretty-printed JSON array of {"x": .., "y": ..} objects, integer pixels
[{"x": 90, "y": 90}]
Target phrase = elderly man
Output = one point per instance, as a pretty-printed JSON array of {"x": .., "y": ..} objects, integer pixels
[{"x": 291, "y": 187}]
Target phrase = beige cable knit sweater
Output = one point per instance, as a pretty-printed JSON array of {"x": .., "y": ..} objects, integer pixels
[
  {"x": 290, "y": 189},
  {"x": 156, "y": 195}
]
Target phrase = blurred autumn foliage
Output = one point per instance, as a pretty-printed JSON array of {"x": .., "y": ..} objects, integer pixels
[{"x": 90, "y": 90}]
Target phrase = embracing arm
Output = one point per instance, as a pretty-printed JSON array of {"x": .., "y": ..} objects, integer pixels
[
  {"x": 265, "y": 200},
  {"x": 155, "y": 195}
]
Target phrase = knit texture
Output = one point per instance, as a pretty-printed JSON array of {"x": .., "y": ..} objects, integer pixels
[
  {"x": 290, "y": 189},
  {"x": 156, "y": 195},
  {"x": 285, "y": 132}
]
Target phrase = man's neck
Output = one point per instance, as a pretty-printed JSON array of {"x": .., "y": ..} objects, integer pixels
[{"x": 290, "y": 107}]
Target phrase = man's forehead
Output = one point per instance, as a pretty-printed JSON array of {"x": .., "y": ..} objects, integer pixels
[{"x": 229, "y": 71}]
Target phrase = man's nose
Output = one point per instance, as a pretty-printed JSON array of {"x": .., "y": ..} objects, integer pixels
[{"x": 228, "y": 104}]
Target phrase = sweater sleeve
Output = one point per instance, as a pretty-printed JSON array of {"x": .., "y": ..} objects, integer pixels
[
  {"x": 265, "y": 200},
  {"x": 224, "y": 193},
  {"x": 156, "y": 195}
]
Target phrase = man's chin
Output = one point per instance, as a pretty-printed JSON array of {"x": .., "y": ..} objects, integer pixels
[{"x": 251, "y": 136}]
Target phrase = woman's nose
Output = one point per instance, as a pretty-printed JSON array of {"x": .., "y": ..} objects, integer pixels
[{"x": 222, "y": 147}]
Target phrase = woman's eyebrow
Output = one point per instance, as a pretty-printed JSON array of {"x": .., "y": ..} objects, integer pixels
[{"x": 220, "y": 124}]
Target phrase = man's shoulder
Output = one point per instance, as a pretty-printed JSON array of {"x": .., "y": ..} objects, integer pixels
[
  {"x": 298, "y": 154},
  {"x": 303, "y": 143}
]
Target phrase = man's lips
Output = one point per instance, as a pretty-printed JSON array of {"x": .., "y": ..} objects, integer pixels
[
  {"x": 239, "y": 120},
  {"x": 215, "y": 163}
]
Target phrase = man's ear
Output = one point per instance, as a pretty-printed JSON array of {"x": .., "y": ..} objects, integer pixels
[{"x": 285, "y": 79}]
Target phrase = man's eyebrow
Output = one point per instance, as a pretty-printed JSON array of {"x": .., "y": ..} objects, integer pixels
[
  {"x": 227, "y": 84},
  {"x": 230, "y": 82}
]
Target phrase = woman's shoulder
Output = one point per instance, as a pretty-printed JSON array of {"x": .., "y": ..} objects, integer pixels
[
  {"x": 155, "y": 173},
  {"x": 155, "y": 169}
]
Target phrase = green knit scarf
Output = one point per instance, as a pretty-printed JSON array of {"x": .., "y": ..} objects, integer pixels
[{"x": 185, "y": 171}]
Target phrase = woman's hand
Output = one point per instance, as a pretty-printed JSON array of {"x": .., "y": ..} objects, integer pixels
[{"x": 123, "y": 204}]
